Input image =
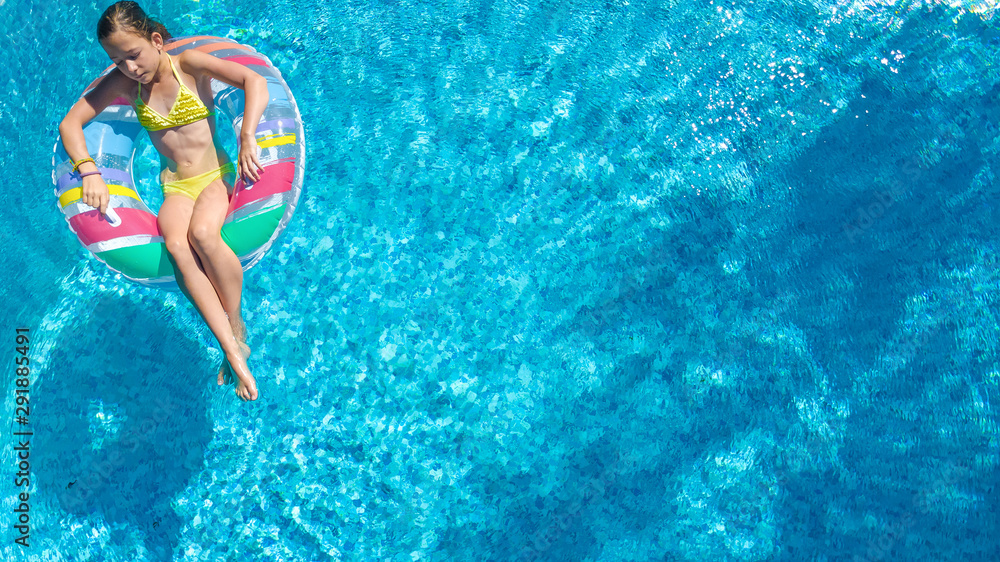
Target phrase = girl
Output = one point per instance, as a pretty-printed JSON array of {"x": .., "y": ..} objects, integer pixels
[{"x": 173, "y": 99}]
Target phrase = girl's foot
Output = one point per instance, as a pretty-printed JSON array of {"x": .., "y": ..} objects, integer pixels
[
  {"x": 240, "y": 335},
  {"x": 246, "y": 387},
  {"x": 235, "y": 363},
  {"x": 225, "y": 373}
]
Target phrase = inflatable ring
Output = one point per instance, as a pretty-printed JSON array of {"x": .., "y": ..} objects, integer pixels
[{"x": 127, "y": 238}]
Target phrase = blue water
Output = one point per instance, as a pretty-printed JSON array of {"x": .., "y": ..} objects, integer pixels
[{"x": 576, "y": 280}]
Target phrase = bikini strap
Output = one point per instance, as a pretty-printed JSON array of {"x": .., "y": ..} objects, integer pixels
[
  {"x": 176, "y": 74},
  {"x": 138, "y": 92}
]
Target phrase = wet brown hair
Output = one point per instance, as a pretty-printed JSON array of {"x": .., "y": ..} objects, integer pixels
[{"x": 129, "y": 17}]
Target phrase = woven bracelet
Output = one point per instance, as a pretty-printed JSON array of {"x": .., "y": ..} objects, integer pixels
[{"x": 76, "y": 164}]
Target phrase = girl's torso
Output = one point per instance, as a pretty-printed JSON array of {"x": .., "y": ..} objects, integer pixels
[{"x": 184, "y": 131}]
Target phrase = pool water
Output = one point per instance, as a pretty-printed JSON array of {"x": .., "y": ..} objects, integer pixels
[{"x": 578, "y": 280}]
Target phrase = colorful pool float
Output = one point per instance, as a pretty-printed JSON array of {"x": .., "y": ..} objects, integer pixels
[{"x": 127, "y": 239}]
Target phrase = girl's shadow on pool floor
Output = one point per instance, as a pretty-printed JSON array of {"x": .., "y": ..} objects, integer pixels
[{"x": 120, "y": 420}]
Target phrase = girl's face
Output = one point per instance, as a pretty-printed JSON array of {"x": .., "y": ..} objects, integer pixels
[{"x": 135, "y": 56}]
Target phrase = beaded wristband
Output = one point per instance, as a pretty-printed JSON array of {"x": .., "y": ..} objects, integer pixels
[
  {"x": 89, "y": 174},
  {"x": 76, "y": 163}
]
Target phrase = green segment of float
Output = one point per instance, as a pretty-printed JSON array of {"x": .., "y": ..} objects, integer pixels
[
  {"x": 146, "y": 261},
  {"x": 150, "y": 261},
  {"x": 249, "y": 233}
]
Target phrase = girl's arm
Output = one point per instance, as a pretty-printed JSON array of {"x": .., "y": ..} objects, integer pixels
[
  {"x": 254, "y": 87},
  {"x": 114, "y": 85}
]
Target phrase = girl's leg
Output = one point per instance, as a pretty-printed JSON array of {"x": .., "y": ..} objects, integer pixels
[
  {"x": 217, "y": 259},
  {"x": 220, "y": 263},
  {"x": 174, "y": 221}
]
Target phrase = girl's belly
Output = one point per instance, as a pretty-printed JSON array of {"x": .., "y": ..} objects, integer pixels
[{"x": 188, "y": 151}]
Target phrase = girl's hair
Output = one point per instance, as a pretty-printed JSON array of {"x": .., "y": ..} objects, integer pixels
[{"x": 128, "y": 16}]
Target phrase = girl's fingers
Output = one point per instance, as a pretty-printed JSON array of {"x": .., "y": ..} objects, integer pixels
[
  {"x": 96, "y": 200},
  {"x": 248, "y": 171},
  {"x": 250, "y": 168},
  {"x": 250, "y": 163}
]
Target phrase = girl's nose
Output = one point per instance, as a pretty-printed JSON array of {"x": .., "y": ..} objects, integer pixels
[{"x": 131, "y": 66}]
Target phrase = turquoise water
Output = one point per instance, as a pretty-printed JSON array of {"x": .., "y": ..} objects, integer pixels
[{"x": 568, "y": 281}]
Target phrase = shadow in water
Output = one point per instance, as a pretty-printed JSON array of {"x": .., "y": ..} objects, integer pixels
[
  {"x": 891, "y": 202},
  {"x": 121, "y": 422}
]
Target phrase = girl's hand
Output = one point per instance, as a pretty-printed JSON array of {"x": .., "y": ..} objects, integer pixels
[
  {"x": 249, "y": 163},
  {"x": 95, "y": 193}
]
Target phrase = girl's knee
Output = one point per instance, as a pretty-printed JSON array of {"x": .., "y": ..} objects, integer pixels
[
  {"x": 203, "y": 237},
  {"x": 182, "y": 254},
  {"x": 178, "y": 248}
]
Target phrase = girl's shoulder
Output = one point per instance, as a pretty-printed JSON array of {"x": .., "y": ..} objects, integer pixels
[
  {"x": 114, "y": 84},
  {"x": 203, "y": 66},
  {"x": 124, "y": 85},
  {"x": 193, "y": 61},
  {"x": 190, "y": 64},
  {"x": 117, "y": 81}
]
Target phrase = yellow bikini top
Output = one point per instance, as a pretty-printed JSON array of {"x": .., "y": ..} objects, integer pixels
[{"x": 187, "y": 108}]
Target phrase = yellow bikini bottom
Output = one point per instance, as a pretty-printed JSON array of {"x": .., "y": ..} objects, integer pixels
[{"x": 193, "y": 186}]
